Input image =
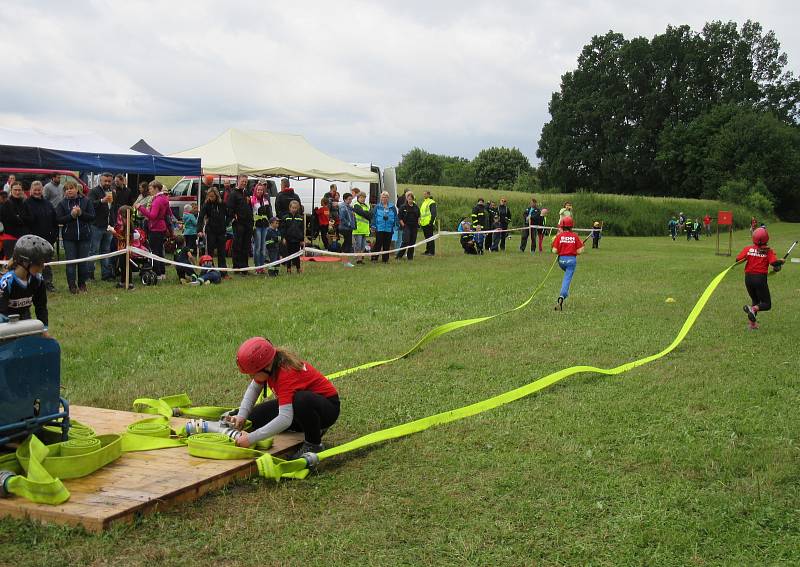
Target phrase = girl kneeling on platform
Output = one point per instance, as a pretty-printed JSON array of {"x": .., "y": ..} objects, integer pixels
[{"x": 305, "y": 400}]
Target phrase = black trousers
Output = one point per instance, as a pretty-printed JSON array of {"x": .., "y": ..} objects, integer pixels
[
  {"x": 291, "y": 248},
  {"x": 312, "y": 414},
  {"x": 383, "y": 242},
  {"x": 503, "y": 236},
  {"x": 427, "y": 231},
  {"x": 409, "y": 239},
  {"x": 240, "y": 249},
  {"x": 215, "y": 243},
  {"x": 347, "y": 237},
  {"x": 156, "y": 242},
  {"x": 758, "y": 288}
]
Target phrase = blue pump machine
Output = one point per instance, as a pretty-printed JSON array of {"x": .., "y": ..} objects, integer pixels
[{"x": 30, "y": 380}]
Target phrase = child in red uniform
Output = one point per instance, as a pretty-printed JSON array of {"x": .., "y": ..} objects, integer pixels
[
  {"x": 305, "y": 400},
  {"x": 759, "y": 258},
  {"x": 567, "y": 245}
]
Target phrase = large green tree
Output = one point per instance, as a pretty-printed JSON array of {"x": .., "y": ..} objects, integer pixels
[
  {"x": 620, "y": 118},
  {"x": 496, "y": 166},
  {"x": 420, "y": 167}
]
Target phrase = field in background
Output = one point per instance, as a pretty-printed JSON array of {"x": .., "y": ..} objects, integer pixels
[
  {"x": 690, "y": 460},
  {"x": 623, "y": 215}
]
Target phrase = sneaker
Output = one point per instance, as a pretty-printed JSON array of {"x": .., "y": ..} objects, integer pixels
[
  {"x": 206, "y": 282},
  {"x": 82, "y": 288},
  {"x": 73, "y": 290},
  {"x": 120, "y": 285},
  {"x": 559, "y": 304},
  {"x": 348, "y": 265},
  {"x": 50, "y": 288},
  {"x": 196, "y": 282},
  {"x": 305, "y": 448},
  {"x": 753, "y": 326},
  {"x": 750, "y": 313},
  {"x": 162, "y": 277}
]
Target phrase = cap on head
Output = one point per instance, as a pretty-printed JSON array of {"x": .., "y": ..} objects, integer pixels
[
  {"x": 254, "y": 355},
  {"x": 567, "y": 222},
  {"x": 760, "y": 237}
]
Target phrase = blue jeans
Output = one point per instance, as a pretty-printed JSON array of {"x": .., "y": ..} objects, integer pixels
[
  {"x": 74, "y": 249},
  {"x": 101, "y": 244},
  {"x": 568, "y": 264},
  {"x": 260, "y": 245}
]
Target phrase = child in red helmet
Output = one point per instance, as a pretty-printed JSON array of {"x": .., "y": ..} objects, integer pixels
[
  {"x": 207, "y": 277},
  {"x": 759, "y": 258},
  {"x": 567, "y": 245},
  {"x": 305, "y": 400}
]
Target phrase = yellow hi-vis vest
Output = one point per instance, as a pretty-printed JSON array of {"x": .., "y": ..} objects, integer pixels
[
  {"x": 425, "y": 212},
  {"x": 362, "y": 224}
]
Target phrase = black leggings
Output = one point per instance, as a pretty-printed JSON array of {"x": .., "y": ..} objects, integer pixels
[
  {"x": 383, "y": 242},
  {"x": 156, "y": 241},
  {"x": 409, "y": 239},
  {"x": 215, "y": 242},
  {"x": 291, "y": 248},
  {"x": 312, "y": 414},
  {"x": 758, "y": 289}
]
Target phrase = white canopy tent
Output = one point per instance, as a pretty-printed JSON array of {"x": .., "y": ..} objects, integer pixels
[{"x": 257, "y": 152}]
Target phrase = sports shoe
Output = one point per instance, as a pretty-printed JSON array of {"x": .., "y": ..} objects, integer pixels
[
  {"x": 348, "y": 265},
  {"x": 750, "y": 314},
  {"x": 82, "y": 288},
  {"x": 196, "y": 282},
  {"x": 559, "y": 304},
  {"x": 753, "y": 326},
  {"x": 305, "y": 448},
  {"x": 73, "y": 290}
]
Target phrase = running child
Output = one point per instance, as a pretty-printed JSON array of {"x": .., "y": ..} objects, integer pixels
[
  {"x": 567, "y": 245},
  {"x": 305, "y": 400},
  {"x": 759, "y": 257},
  {"x": 23, "y": 286}
]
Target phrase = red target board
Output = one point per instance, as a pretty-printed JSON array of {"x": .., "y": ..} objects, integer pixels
[{"x": 724, "y": 218}]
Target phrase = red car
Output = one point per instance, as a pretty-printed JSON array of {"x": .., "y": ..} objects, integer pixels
[{"x": 28, "y": 176}]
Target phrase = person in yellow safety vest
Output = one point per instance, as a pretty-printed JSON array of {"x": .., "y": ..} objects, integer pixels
[
  {"x": 427, "y": 217},
  {"x": 363, "y": 216}
]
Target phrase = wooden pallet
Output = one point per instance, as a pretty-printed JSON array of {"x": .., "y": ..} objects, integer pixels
[{"x": 136, "y": 483}]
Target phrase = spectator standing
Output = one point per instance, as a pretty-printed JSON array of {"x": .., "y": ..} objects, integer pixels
[
  {"x": 286, "y": 196},
  {"x": 384, "y": 221},
  {"x": 409, "y": 222},
  {"x": 347, "y": 224},
  {"x": 262, "y": 212},
  {"x": 334, "y": 198},
  {"x": 190, "y": 226},
  {"x": 213, "y": 222},
  {"x": 505, "y": 219},
  {"x": 75, "y": 213},
  {"x": 241, "y": 212},
  {"x": 491, "y": 213},
  {"x": 102, "y": 198},
  {"x": 42, "y": 222},
  {"x": 15, "y": 218},
  {"x": 53, "y": 191},
  {"x": 158, "y": 227},
  {"x": 292, "y": 232},
  {"x": 122, "y": 193},
  {"x": 362, "y": 211},
  {"x": 323, "y": 216},
  {"x": 480, "y": 220},
  {"x": 9, "y": 182},
  {"x": 143, "y": 199},
  {"x": 427, "y": 218}
]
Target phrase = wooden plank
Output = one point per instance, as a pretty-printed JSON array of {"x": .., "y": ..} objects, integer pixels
[{"x": 139, "y": 482}]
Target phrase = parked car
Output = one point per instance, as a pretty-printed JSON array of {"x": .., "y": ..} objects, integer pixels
[
  {"x": 186, "y": 190},
  {"x": 28, "y": 176}
]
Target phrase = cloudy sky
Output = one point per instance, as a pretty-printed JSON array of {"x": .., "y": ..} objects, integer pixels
[{"x": 364, "y": 81}]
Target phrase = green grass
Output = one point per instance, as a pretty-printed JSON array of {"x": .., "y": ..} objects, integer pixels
[
  {"x": 691, "y": 460},
  {"x": 623, "y": 215}
]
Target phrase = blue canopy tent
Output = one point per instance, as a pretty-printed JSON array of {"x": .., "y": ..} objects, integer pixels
[{"x": 34, "y": 149}]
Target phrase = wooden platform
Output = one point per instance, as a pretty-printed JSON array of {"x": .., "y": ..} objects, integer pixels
[{"x": 136, "y": 483}]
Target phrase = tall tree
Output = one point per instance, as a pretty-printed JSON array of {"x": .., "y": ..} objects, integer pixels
[{"x": 494, "y": 166}]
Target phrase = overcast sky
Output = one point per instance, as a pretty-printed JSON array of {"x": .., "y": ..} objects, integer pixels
[{"x": 361, "y": 81}]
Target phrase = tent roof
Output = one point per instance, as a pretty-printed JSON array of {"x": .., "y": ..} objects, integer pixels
[
  {"x": 143, "y": 147},
  {"x": 258, "y": 152},
  {"x": 82, "y": 151}
]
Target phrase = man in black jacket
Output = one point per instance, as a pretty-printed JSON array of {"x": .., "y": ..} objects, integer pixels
[
  {"x": 286, "y": 196},
  {"x": 480, "y": 220},
  {"x": 102, "y": 199},
  {"x": 241, "y": 212},
  {"x": 42, "y": 222},
  {"x": 122, "y": 194},
  {"x": 505, "y": 219}
]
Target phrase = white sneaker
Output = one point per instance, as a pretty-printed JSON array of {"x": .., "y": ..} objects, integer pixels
[{"x": 162, "y": 277}]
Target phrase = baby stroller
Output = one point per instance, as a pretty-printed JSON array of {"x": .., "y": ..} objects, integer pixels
[{"x": 140, "y": 264}]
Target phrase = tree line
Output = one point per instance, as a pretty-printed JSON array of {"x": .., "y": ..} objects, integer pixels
[
  {"x": 709, "y": 114},
  {"x": 494, "y": 168}
]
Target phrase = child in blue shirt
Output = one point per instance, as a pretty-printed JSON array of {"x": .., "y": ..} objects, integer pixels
[
  {"x": 273, "y": 244},
  {"x": 190, "y": 226}
]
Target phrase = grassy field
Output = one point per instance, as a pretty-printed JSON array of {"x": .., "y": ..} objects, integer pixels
[
  {"x": 622, "y": 215},
  {"x": 691, "y": 460}
]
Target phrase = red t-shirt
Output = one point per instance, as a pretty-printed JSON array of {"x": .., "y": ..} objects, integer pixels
[
  {"x": 567, "y": 243},
  {"x": 323, "y": 216},
  {"x": 706, "y": 219},
  {"x": 758, "y": 259},
  {"x": 290, "y": 381}
]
